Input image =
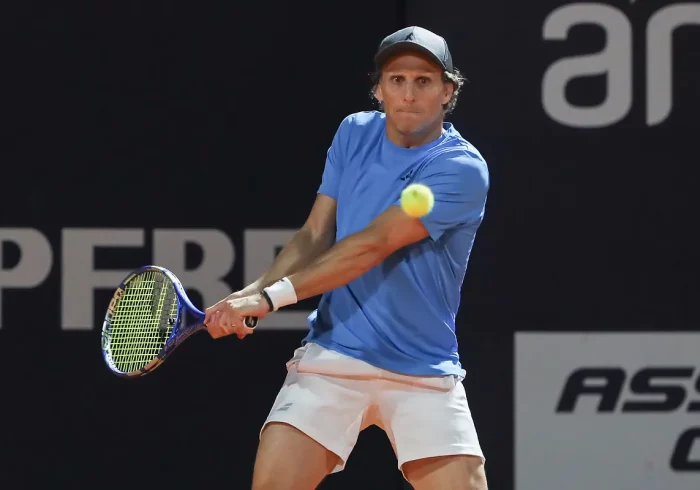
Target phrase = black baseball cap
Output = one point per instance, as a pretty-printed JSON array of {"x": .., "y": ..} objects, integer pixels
[{"x": 417, "y": 39}]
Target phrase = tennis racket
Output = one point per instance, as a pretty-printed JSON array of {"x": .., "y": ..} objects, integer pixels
[{"x": 145, "y": 321}]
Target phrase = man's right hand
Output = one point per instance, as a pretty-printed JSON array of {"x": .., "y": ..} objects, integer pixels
[{"x": 250, "y": 290}]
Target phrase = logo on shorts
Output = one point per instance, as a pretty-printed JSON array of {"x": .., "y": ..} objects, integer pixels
[{"x": 284, "y": 407}]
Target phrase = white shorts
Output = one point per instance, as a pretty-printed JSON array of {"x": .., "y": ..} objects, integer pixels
[{"x": 332, "y": 397}]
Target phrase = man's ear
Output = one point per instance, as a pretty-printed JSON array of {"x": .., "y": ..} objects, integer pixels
[
  {"x": 378, "y": 93},
  {"x": 449, "y": 90}
]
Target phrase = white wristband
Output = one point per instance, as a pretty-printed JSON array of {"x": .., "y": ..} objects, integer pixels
[{"x": 281, "y": 293}]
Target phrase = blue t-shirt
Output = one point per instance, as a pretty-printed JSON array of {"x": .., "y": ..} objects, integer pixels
[{"x": 400, "y": 315}]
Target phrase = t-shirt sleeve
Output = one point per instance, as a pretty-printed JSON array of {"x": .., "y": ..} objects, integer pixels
[
  {"x": 333, "y": 169},
  {"x": 460, "y": 184}
]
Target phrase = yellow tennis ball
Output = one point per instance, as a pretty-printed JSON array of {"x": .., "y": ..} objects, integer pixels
[{"x": 417, "y": 200}]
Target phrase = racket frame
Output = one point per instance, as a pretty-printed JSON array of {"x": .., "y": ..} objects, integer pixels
[{"x": 180, "y": 330}]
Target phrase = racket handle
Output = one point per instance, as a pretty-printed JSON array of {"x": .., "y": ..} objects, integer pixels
[{"x": 251, "y": 321}]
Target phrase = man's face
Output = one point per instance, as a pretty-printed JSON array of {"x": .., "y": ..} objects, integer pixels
[{"x": 413, "y": 92}]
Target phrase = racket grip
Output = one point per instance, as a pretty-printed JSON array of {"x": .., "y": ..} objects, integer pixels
[{"x": 251, "y": 321}]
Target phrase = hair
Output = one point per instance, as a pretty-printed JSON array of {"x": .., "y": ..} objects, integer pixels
[{"x": 455, "y": 77}]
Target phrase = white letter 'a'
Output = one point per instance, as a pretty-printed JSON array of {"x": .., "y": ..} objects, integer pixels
[{"x": 615, "y": 60}]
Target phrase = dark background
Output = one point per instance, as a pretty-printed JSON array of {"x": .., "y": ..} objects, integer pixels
[{"x": 218, "y": 115}]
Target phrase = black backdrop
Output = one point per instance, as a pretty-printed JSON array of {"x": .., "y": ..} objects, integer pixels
[{"x": 215, "y": 115}]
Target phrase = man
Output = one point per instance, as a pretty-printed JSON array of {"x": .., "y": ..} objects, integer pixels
[{"x": 382, "y": 347}]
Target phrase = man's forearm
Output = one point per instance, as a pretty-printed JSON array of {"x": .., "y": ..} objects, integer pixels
[
  {"x": 339, "y": 265},
  {"x": 301, "y": 250}
]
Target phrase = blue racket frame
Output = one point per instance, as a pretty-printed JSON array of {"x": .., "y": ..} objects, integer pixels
[{"x": 180, "y": 331}]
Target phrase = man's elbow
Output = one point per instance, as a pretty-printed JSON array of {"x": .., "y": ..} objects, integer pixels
[
  {"x": 386, "y": 237},
  {"x": 378, "y": 247}
]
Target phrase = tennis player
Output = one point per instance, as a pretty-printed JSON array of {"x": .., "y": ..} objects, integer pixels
[{"x": 381, "y": 347}]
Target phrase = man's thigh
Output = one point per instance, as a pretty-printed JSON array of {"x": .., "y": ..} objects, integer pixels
[
  {"x": 316, "y": 413},
  {"x": 429, "y": 418},
  {"x": 460, "y": 472},
  {"x": 288, "y": 459}
]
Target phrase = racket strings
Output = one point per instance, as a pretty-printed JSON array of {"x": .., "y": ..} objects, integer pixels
[{"x": 143, "y": 320}]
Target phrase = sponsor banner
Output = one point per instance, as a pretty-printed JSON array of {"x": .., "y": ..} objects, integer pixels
[
  {"x": 607, "y": 411},
  {"x": 645, "y": 30},
  {"x": 65, "y": 268}
]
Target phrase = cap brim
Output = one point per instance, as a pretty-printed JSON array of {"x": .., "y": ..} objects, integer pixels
[{"x": 403, "y": 47}]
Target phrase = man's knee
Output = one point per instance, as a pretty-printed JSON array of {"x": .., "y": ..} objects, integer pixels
[
  {"x": 477, "y": 480},
  {"x": 447, "y": 472}
]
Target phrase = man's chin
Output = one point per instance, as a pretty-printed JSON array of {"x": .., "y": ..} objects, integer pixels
[
  {"x": 409, "y": 124},
  {"x": 408, "y": 127},
  {"x": 405, "y": 129}
]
